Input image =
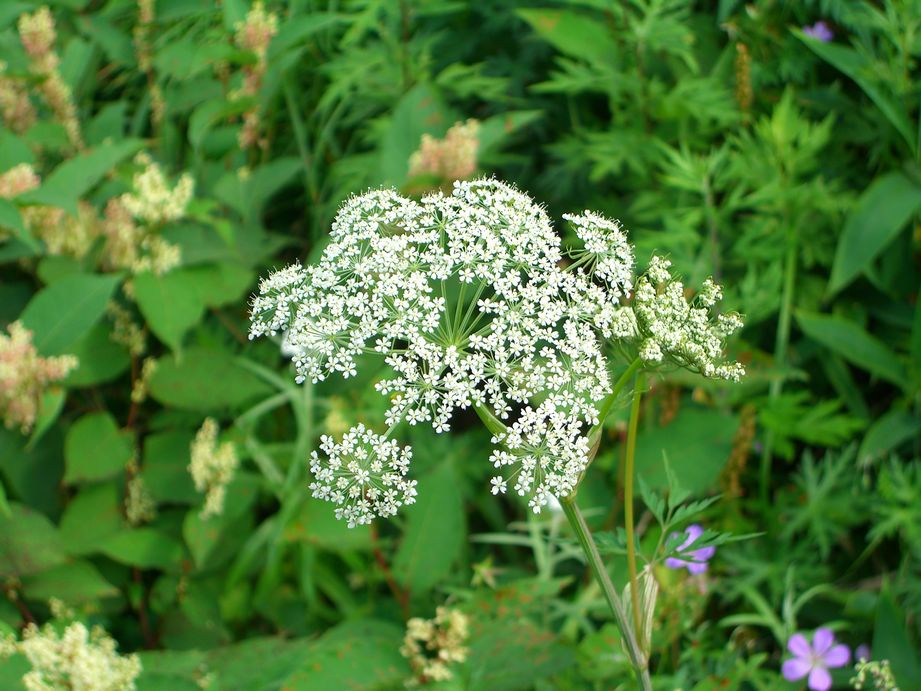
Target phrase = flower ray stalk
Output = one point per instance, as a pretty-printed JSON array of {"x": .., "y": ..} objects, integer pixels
[{"x": 628, "y": 497}]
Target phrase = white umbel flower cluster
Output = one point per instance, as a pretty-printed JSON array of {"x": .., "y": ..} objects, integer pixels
[
  {"x": 549, "y": 452},
  {"x": 78, "y": 659},
  {"x": 681, "y": 332},
  {"x": 467, "y": 299},
  {"x": 605, "y": 252},
  {"x": 364, "y": 475}
]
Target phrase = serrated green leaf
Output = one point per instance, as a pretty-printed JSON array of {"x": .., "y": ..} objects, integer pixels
[
  {"x": 434, "y": 533},
  {"x": 95, "y": 449},
  {"x": 577, "y": 35},
  {"x": 854, "y": 344},
  {"x": 859, "y": 68},
  {"x": 170, "y": 304},
  {"x": 880, "y": 213},
  {"x": 61, "y": 314}
]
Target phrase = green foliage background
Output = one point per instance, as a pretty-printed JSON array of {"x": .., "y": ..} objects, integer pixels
[{"x": 718, "y": 132}]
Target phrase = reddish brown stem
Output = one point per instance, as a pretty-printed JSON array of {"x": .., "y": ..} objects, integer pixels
[
  {"x": 401, "y": 595},
  {"x": 150, "y": 641}
]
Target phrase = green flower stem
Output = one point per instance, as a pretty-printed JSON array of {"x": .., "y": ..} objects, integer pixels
[
  {"x": 584, "y": 535},
  {"x": 594, "y": 434},
  {"x": 628, "y": 497},
  {"x": 493, "y": 424}
]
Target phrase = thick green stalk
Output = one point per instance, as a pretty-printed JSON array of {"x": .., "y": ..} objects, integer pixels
[
  {"x": 584, "y": 535},
  {"x": 628, "y": 498}
]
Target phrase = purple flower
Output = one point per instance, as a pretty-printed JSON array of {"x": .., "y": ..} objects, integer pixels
[
  {"x": 862, "y": 652},
  {"x": 699, "y": 556},
  {"x": 819, "y": 31},
  {"x": 815, "y": 660}
]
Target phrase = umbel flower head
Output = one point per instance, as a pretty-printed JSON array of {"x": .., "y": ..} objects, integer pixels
[
  {"x": 364, "y": 475},
  {"x": 681, "y": 332},
  {"x": 468, "y": 299}
]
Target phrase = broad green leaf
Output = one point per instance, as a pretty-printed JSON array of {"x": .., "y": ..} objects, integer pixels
[
  {"x": 71, "y": 180},
  {"x": 297, "y": 30},
  {"x": 363, "y": 654},
  {"x": 495, "y": 130},
  {"x": 697, "y": 445},
  {"x": 420, "y": 111},
  {"x": 577, "y": 35},
  {"x": 210, "y": 113},
  {"x": 880, "y": 213},
  {"x": 915, "y": 347},
  {"x": 514, "y": 653},
  {"x": 891, "y": 642},
  {"x": 116, "y": 44},
  {"x": 317, "y": 525},
  {"x": 170, "y": 304},
  {"x": 56, "y": 266},
  {"x": 91, "y": 517},
  {"x": 29, "y": 543},
  {"x": 5, "y": 511},
  {"x": 894, "y": 428},
  {"x": 165, "y": 469},
  {"x": 75, "y": 583},
  {"x": 434, "y": 533},
  {"x": 33, "y": 470},
  {"x": 224, "y": 283},
  {"x": 100, "y": 359},
  {"x": 205, "y": 379},
  {"x": 49, "y": 410},
  {"x": 202, "y": 535},
  {"x": 266, "y": 181},
  {"x": 854, "y": 344},
  {"x": 61, "y": 314},
  {"x": 95, "y": 449},
  {"x": 859, "y": 68},
  {"x": 11, "y": 220},
  {"x": 145, "y": 548}
]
